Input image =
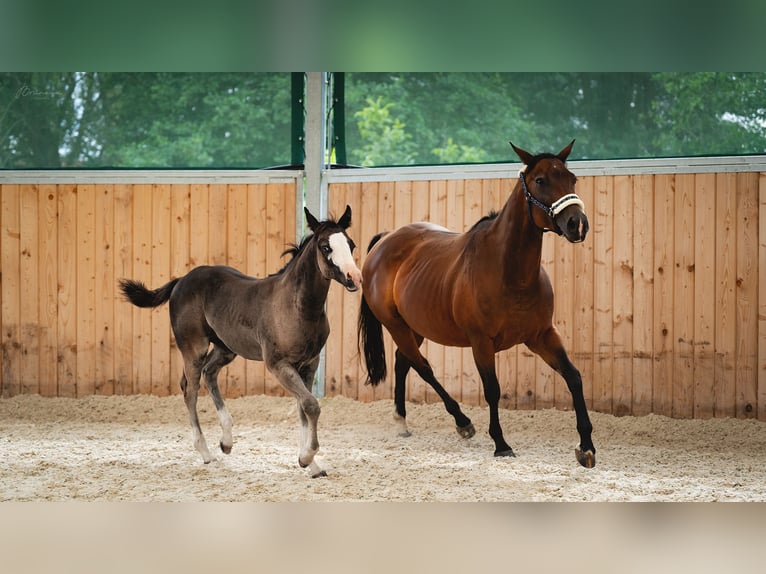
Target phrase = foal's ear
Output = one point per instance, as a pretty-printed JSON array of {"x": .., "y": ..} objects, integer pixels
[
  {"x": 345, "y": 219},
  {"x": 524, "y": 156},
  {"x": 310, "y": 219},
  {"x": 564, "y": 153}
]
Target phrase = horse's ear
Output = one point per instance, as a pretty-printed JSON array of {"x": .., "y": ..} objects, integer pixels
[
  {"x": 312, "y": 221},
  {"x": 564, "y": 153},
  {"x": 524, "y": 156},
  {"x": 345, "y": 219}
]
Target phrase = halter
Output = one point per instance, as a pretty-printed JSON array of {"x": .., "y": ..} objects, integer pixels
[{"x": 553, "y": 210}]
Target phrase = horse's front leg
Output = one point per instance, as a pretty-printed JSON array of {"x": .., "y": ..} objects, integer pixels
[
  {"x": 308, "y": 409},
  {"x": 484, "y": 356},
  {"x": 552, "y": 351}
]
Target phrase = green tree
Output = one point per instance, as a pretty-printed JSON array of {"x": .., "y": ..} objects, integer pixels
[
  {"x": 384, "y": 138},
  {"x": 711, "y": 113}
]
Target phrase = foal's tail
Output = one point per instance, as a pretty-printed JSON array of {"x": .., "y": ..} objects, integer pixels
[
  {"x": 138, "y": 294},
  {"x": 370, "y": 337}
]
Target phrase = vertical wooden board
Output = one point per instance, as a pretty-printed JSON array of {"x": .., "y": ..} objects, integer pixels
[
  {"x": 217, "y": 224},
  {"x": 704, "y": 294},
  {"x": 275, "y": 244},
  {"x": 643, "y": 292},
  {"x": 684, "y": 310},
  {"x": 180, "y": 263},
  {"x": 725, "y": 295},
  {"x": 622, "y": 297},
  {"x": 200, "y": 225},
  {"x": 236, "y": 228},
  {"x": 453, "y": 357},
  {"x": 123, "y": 268},
  {"x": 583, "y": 317},
  {"x": 160, "y": 275},
  {"x": 761, "y": 375},
  {"x": 106, "y": 283},
  {"x": 351, "y": 372},
  {"x": 602, "y": 222},
  {"x": 29, "y": 334},
  {"x": 142, "y": 271},
  {"x": 335, "y": 301},
  {"x": 86, "y": 291},
  {"x": 746, "y": 348},
  {"x": 661, "y": 326},
  {"x": 48, "y": 288},
  {"x": 255, "y": 371},
  {"x": 10, "y": 296}
]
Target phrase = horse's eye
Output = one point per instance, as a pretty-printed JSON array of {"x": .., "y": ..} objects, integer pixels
[
  {"x": 326, "y": 249},
  {"x": 539, "y": 181}
]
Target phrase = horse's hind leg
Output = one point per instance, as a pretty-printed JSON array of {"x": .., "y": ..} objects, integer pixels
[
  {"x": 218, "y": 358},
  {"x": 190, "y": 387},
  {"x": 408, "y": 348},
  {"x": 401, "y": 368}
]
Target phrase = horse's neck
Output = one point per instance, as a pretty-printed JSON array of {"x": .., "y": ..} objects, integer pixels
[
  {"x": 520, "y": 242},
  {"x": 311, "y": 287}
]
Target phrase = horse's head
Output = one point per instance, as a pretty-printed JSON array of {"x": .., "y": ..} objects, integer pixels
[
  {"x": 335, "y": 250},
  {"x": 549, "y": 186}
]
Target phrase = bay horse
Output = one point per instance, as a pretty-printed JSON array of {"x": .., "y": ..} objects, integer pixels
[
  {"x": 484, "y": 289},
  {"x": 279, "y": 319}
]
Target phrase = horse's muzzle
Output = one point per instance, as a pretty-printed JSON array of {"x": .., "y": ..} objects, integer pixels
[
  {"x": 575, "y": 227},
  {"x": 353, "y": 280}
]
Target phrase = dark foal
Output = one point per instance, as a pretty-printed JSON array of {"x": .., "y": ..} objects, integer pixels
[{"x": 279, "y": 319}]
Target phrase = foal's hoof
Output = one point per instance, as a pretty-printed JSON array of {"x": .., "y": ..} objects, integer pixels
[
  {"x": 506, "y": 452},
  {"x": 318, "y": 474},
  {"x": 587, "y": 458},
  {"x": 467, "y": 431},
  {"x": 404, "y": 434},
  {"x": 225, "y": 449}
]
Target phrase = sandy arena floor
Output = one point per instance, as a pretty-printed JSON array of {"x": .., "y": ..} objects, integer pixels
[{"x": 138, "y": 448}]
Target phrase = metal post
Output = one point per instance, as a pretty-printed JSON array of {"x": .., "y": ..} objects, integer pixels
[
  {"x": 316, "y": 150},
  {"x": 316, "y": 154}
]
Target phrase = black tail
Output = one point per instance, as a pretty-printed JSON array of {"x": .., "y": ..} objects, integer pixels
[
  {"x": 137, "y": 293},
  {"x": 370, "y": 336}
]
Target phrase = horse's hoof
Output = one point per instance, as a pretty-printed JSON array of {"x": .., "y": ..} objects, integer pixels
[
  {"x": 507, "y": 452},
  {"x": 225, "y": 449},
  {"x": 587, "y": 458},
  {"x": 404, "y": 434},
  {"x": 467, "y": 431},
  {"x": 318, "y": 474}
]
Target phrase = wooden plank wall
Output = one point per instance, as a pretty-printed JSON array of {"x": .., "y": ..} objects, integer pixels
[
  {"x": 663, "y": 308},
  {"x": 66, "y": 330}
]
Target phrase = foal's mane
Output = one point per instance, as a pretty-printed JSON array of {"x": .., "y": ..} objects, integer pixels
[{"x": 295, "y": 249}]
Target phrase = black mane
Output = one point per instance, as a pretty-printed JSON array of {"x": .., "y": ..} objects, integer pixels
[
  {"x": 489, "y": 217},
  {"x": 294, "y": 250}
]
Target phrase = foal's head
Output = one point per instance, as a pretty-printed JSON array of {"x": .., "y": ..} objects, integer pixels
[
  {"x": 335, "y": 249},
  {"x": 549, "y": 186}
]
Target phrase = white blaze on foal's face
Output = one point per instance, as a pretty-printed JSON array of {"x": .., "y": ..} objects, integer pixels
[{"x": 341, "y": 257}]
